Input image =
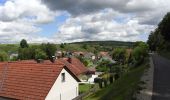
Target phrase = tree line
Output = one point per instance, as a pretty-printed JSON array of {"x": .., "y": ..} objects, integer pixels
[
  {"x": 159, "y": 39},
  {"x": 43, "y": 51}
]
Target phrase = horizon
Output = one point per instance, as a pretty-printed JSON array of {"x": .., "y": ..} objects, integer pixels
[
  {"x": 73, "y": 42},
  {"x": 41, "y": 21}
]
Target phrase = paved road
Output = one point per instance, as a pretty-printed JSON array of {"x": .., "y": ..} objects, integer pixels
[{"x": 161, "y": 81}]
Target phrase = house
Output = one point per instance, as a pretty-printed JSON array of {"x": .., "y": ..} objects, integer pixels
[
  {"x": 103, "y": 54},
  {"x": 13, "y": 55},
  {"x": 90, "y": 55},
  {"x": 91, "y": 79},
  {"x": 58, "y": 54},
  {"x": 75, "y": 65},
  {"x": 29, "y": 80},
  {"x": 106, "y": 56},
  {"x": 78, "y": 53}
]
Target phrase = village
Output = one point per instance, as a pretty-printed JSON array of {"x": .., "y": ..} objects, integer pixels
[
  {"x": 66, "y": 75},
  {"x": 84, "y": 49}
]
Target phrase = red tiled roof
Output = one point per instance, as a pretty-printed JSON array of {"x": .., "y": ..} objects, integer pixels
[
  {"x": 76, "y": 66},
  {"x": 28, "y": 79}
]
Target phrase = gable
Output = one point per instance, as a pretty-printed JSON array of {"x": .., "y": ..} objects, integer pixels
[{"x": 63, "y": 90}]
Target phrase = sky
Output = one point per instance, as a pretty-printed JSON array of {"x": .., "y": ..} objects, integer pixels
[{"x": 60, "y": 21}]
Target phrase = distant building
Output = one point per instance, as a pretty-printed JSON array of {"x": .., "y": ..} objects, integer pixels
[
  {"x": 90, "y": 55},
  {"x": 13, "y": 55},
  {"x": 78, "y": 53},
  {"x": 103, "y": 54}
]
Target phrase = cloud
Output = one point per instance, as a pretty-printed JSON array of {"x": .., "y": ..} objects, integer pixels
[
  {"x": 102, "y": 25},
  {"x": 77, "y": 7},
  {"x": 32, "y": 10},
  {"x": 148, "y": 12},
  {"x": 109, "y": 19},
  {"x": 124, "y": 20},
  {"x": 21, "y": 19}
]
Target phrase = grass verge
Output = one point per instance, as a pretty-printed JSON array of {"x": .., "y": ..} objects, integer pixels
[
  {"x": 85, "y": 87},
  {"x": 123, "y": 88}
]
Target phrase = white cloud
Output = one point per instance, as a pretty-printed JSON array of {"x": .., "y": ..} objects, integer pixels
[
  {"x": 109, "y": 20},
  {"x": 20, "y": 19},
  {"x": 31, "y": 10},
  {"x": 101, "y": 26},
  {"x": 123, "y": 20}
]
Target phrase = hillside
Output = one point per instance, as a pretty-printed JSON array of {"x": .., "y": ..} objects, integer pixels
[
  {"x": 107, "y": 43},
  {"x": 89, "y": 46}
]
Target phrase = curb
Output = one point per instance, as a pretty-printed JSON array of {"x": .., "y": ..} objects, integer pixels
[{"x": 146, "y": 94}]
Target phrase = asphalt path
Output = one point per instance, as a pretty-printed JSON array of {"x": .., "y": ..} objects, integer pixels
[{"x": 161, "y": 80}]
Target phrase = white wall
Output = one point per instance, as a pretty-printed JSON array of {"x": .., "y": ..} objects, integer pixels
[
  {"x": 63, "y": 90},
  {"x": 91, "y": 79}
]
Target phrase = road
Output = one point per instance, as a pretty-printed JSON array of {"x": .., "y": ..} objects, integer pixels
[{"x": 161, "y": 80}]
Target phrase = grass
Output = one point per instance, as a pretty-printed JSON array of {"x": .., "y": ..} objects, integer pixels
[
  {"x": 123, "y": 88},
  {"x": 84, "y": 87}
]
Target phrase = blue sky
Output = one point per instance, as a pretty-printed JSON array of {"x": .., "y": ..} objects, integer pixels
[
  {"x": 50, "y": 29},
  {"x": 2, "y": 1},
  {"x": 52, "y": 21}
]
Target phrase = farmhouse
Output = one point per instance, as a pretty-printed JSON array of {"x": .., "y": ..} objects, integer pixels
[{"x": 29, "y": 80}]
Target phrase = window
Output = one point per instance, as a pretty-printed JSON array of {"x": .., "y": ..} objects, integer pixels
[{"x": 63, "y": 77}]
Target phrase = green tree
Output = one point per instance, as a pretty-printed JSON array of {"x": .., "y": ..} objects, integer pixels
[
  {"x": 24, "y": 53},
  {"x": 84, "y": 46},
  {"x": 40, "y": 54},
  {"x": 23, "y": 44},
  {"x": 159, "y": 39},
  {"x": 164, "y": 27},
  {"x": 103, "y": 66},
  {"x": 139, "y": 53},
  {"x": 62, "y": 45},
  {"x": 49, "y": 49},
  {"x": 151, "y": 42},
  {"x": 3, "y": 56},
  {"x": 119, "y": 54}
]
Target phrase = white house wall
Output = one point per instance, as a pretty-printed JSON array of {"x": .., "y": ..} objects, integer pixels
[{"x": 63, "y": 90}]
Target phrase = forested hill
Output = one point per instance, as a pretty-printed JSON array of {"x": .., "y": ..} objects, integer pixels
[{"x": 106, "y": 43}]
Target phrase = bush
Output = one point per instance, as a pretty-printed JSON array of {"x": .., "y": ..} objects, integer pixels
[
  {"x": 3, "y": 56},
  {"x": 103, "y": 66},
  {"x": 39, "y": 54},
  {"x": 119, "y": 55},
  {"x": 139, "y": 53}
]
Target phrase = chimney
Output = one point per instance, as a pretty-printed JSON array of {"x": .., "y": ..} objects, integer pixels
[
  {"x": 69, "y": 59},
  {"x": 53, "y": 59},
  {"x": 40, "y": 60}
]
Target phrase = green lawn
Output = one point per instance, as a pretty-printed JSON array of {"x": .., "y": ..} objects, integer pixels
[
  {"x": 123, "y": 88},
  {"x": 84, "y": 87}
]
